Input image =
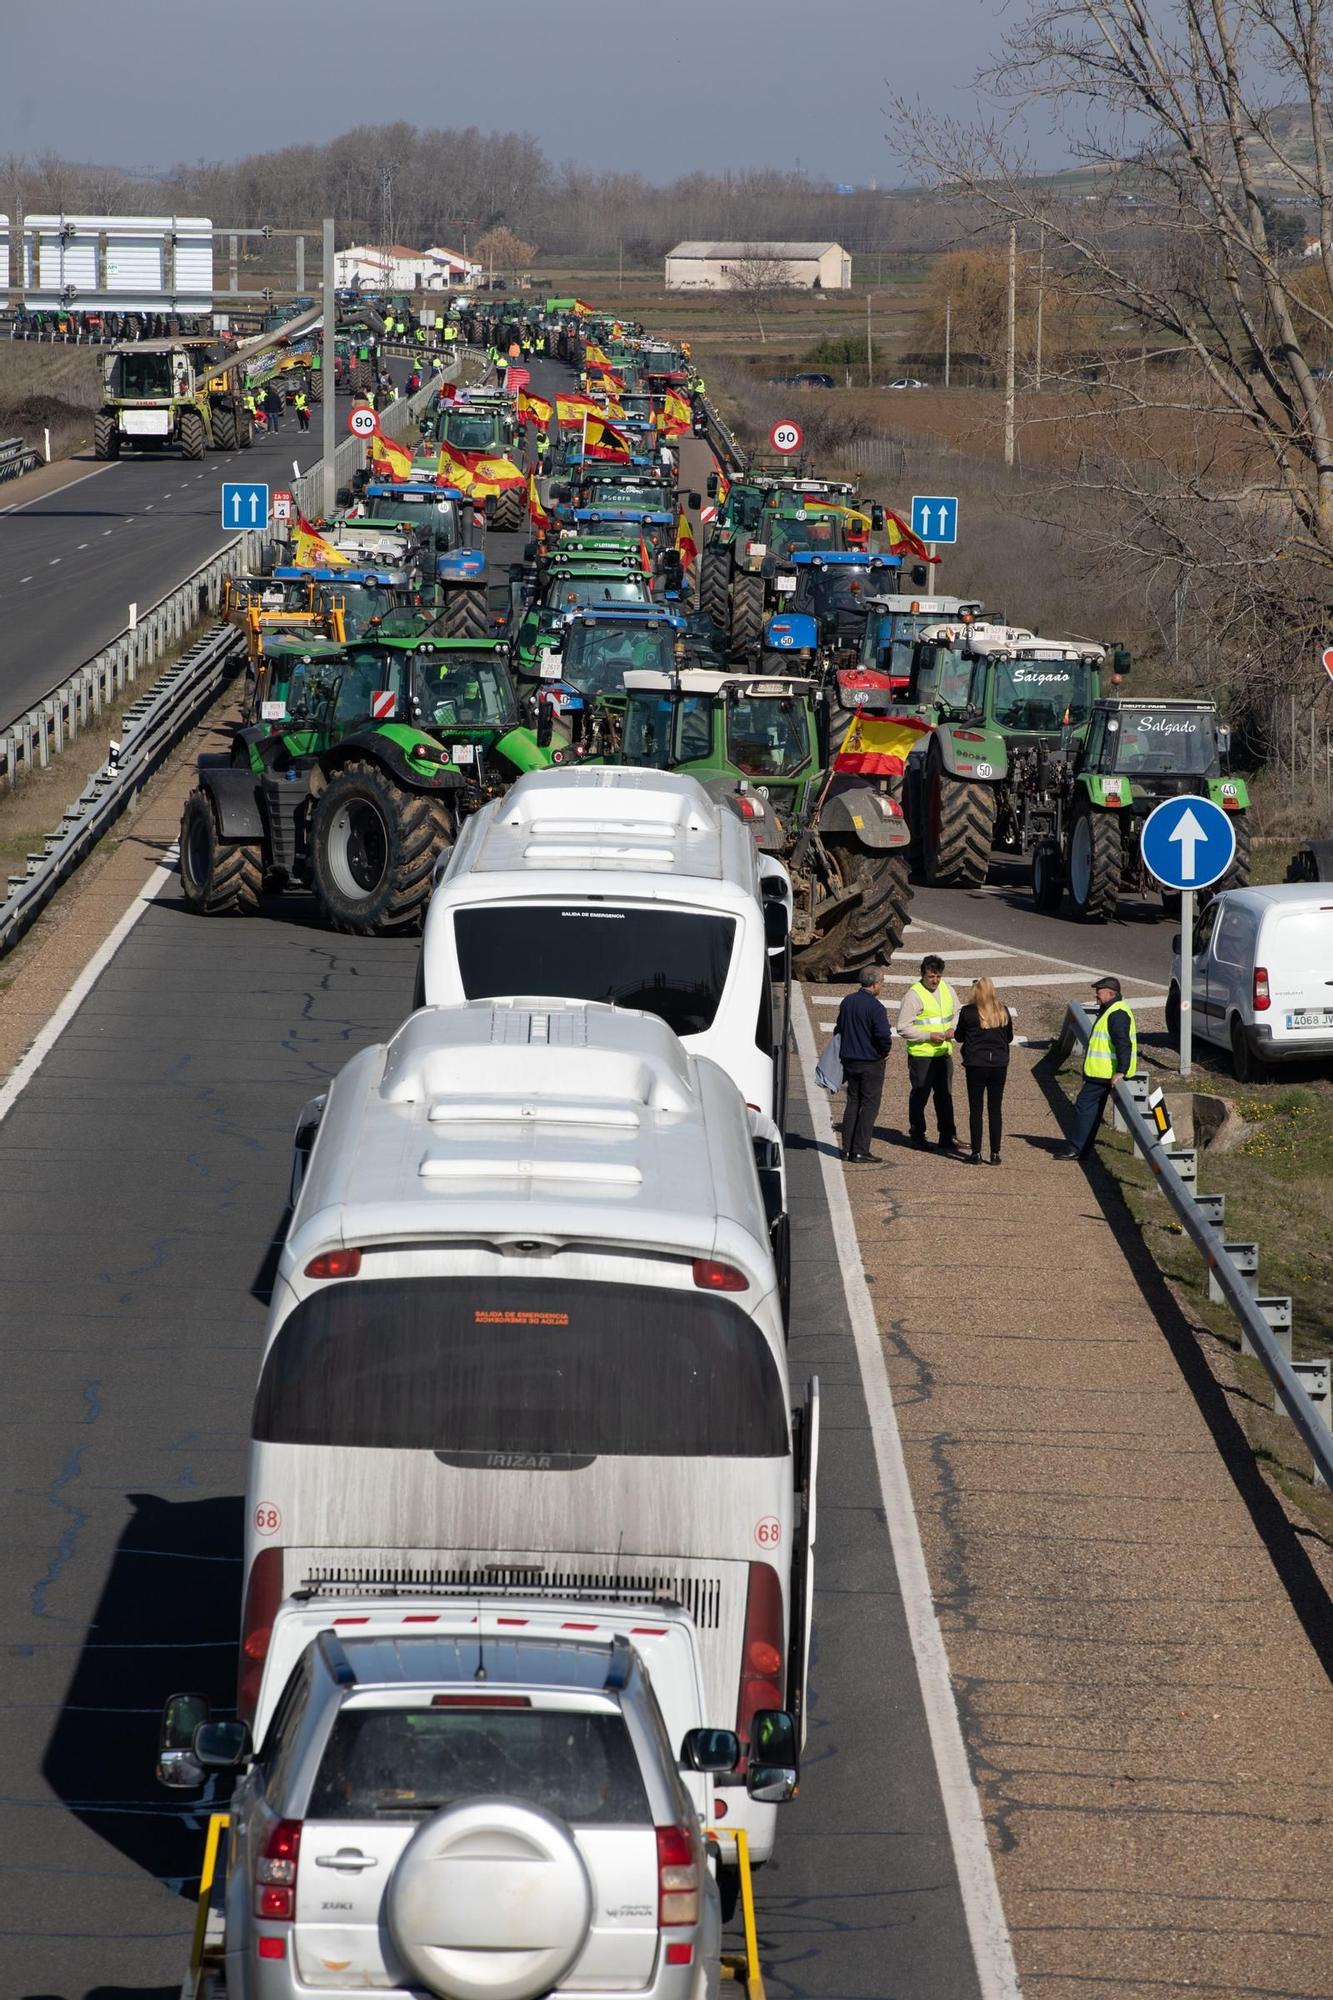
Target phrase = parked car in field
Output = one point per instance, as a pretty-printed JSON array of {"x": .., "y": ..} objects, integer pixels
[{"x": 909, "y": 382}]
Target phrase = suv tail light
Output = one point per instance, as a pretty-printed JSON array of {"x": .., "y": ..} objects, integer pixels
[
  {"x": 263, "y": 1594},
  {"x": 334, "y": 1264},
  {"x": 762, "y": 1654},
  {"x": 712, "y": 1276},
  {"x": 275, "y": 1873},
  {"x": 1262, "y": 1003},
  {"x": 677, "y": 1877}
]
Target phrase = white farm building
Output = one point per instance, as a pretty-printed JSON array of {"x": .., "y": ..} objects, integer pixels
[
  {"x": 713, "y": 266},
  {"x": 393, "y": 267}
]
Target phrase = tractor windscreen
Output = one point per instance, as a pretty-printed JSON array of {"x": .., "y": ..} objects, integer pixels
[
  {"x": 1042, "y": 694},
  {"x": 597, "y": 657},
  {"x": 363, "y": 604},
  {"x": 1144, "y": 742},
  {"x": 784, "y": 535},
  {"x": 455, "y": 690},
  {"x": 572, "y": 592},
  {"x": 441, "y": 516},
  {"x": 141, "y": 375},
  {"x": 768, "y": 736},
  {"x": 661, "y": 733},
  {"x": 630, "y": 493},
  {"x": 470, "y": 432}
]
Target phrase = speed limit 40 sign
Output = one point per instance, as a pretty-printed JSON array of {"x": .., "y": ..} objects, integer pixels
[
  {"x": 362, "y": 421},
  {"x": 785, "y": 437}
]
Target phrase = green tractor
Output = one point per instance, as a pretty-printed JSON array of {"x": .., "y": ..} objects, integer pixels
[
  {"x": 356, "y": 777},
  {"x": 989, "y": 700},
  {"x": 767, "y": 527},
  {"x": 1096, "y": 795},
  {"x": 443, "y": 525},
  {"x": 161, "y": 395},
  {"x": 762, "y": 746}
]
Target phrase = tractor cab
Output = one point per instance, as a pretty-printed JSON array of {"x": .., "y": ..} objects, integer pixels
[
  {"x": 148, "y": 372},
  {"x": 440, "y": 517},
  {"x": 1161, "y": 747},
  {"x": 892, "y": 626},
  {"x": 364, "y": 597},
  {"x": 599, "y": 648},
  {"x": 836, "y": 591},
  {"x": 770, "y": 734}
]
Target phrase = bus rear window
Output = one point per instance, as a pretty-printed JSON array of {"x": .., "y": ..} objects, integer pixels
[{"x": 480, "y": 1366}]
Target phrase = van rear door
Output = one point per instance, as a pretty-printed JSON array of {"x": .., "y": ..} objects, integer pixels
[{"x": 1296, "y": 950}]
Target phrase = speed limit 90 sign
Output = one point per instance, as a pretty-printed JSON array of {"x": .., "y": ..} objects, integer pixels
[
  {"x": 785, "y": 436},
  {"x": 362, "y": 421}
]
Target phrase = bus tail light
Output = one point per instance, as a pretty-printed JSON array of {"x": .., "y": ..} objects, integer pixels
[
  {"x": 762, "y": 1652},
  {"x": 263, "y": 1594}
]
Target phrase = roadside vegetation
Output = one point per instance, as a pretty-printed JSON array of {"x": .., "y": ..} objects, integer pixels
[{"x": 53, "y": 388}]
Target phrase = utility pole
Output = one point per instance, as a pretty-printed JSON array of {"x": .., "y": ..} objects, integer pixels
[
  {"x": 870, "y": 352},
  {"x": 1009, "y": 372},
  {"x": 329, "y": 405},
  {"x": 620, "y": 248},
  {"x": 1041, "y": 288},
  {"x": 948, "y": 337}
]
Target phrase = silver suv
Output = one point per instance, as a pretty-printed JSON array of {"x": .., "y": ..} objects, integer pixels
[{"x": 476, "y": 1819}]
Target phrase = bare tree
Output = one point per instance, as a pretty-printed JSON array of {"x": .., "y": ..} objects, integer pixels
[
  {"x": 1214, "y": 452},
  {"x": 760, "y": 278},
  {"x": 502, "y": 249}
]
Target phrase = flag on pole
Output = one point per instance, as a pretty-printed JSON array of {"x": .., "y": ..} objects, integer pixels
[
  {"x": 389, "y": 457},
  {"x": 537, "y": 514},
  {"x": 901, "y": 540},
  {"x": 535, "y": 409},
  {"x": 686, "y": 545},
  {"x": 311, "y": 550},
  {"x": 877, "y": 746}
]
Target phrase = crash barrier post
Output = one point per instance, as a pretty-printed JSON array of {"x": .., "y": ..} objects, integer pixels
[
  {"x": 1301, "y": 1388},
  {"x": 16, "y": 458}
]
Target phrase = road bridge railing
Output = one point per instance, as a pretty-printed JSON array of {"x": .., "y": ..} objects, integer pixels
[{"x": 1301, "y": 1388}]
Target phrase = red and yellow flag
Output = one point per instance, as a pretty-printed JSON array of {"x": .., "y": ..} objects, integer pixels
[
  {"x": 450, "y": 470},
  {"x": 537, "y": 514},
  {"x": 571, "y": 410},
  {"x": 900, "y": 539},
  {"x": 310, "y": 549},
  {"x": 596, "y": 356},
  {"x": 877, "y": 746},
  {"x": 605, "y": 441},
  {"x": 685, "y": 542},
  {"x": 534, "y": 409},
  {"x": 390, "y": 458},
  {"x": 677, "y": 413}
]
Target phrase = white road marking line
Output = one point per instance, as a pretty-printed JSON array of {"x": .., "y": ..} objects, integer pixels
[
  {"x": 54, "y": 560},
  {"x": 992, "y": 1950},
  {"x": 26, "y": 1070},
  {"x": 18, "y": 506},
  {"x": 25, "y": 579},
  {"x": 1031, "y": 951},
  {"x": 83, "y": 545},
  {"x": 106, "y": 532}
]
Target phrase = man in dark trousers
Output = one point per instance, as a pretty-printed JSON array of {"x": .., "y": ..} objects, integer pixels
[
  {"x": 1112, "y": 1052},
  {"x": 864, "y": 1039}
]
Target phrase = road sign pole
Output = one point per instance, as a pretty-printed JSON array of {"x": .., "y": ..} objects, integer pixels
[
  {"x": 329, "y": 404},
  {"x": 1186, "y": 979}
]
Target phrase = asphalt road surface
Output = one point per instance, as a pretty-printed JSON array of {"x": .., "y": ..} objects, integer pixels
[{"x": 72, "y": 564}]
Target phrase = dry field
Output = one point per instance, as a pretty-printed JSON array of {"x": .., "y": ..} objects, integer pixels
[{"x": 53, "y": 388}]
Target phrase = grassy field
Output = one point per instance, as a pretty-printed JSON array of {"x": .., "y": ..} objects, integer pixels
[{"x": 54, "y": 388}]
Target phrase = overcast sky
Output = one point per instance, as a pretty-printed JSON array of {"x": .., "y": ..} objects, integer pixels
[{"x": 661, "y": 86}]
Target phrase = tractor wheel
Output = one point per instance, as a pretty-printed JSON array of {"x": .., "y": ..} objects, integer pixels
[
  {"x": 224, "y": 428},
  {"x": 106, "y": 437},
  {"x": 508, "y": 515},
  {"x": 373, "y": 845},
  {"x": 747, "y": 613},
  {"x": 358, "y": 376},
  {"x": 1048, "y": 877},
  {"x": 867, "y": 932},
  {"x": 217, "y": 880},
  {"x": 316, "y": 391},
  {"x": 466, "y": 614},
  {"x": 714, "y": 594},
  {"x": 959, "y": 829},
  {"x": 193, "y": 436},
  {"x": 245, "y": 430},
  {"x": 1094, "y": 864},
  {"x": 1238, "y": 874}
]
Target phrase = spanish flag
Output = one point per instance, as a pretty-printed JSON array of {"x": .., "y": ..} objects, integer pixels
[
  {"x": 901, "y": 540},
  {"x": 604, "y": 441},
  {"x": 877, "y": 746},
  {"x": 453, "y": 471},
  {"x": 571, "y": 410},
  {"x": 534, "y": 409},
  {"x": 388, "y": 457},
  {"x": 596, "y": 356},
  {"x": 685, "y": 542},
  {"x": 677, "y": 413},
  {"x": 537, "y": 514},
  {"x": 310, "y": 550}
]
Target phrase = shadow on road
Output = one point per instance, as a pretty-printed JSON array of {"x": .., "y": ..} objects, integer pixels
[{"x": 167, "y": 1619}]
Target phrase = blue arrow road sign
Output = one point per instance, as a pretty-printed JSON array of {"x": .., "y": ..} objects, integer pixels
[
  {"x": 1188, "y": 843},
  {"x": 244, "y": 505},
  {"x": 935, "y": 516}
]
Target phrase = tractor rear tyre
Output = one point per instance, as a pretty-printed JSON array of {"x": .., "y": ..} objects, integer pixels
[
  {"x": 373, "y": 845},
  {"x": 193, "y": 436},
  {"x": 317, "y": 386},
  {"x": 245, "y": 430},
  {"x": 224, "y": 428},
  {"x": 509, "y": 508},
  {"x": 217, "y": 879},
  {"x": 959, "y": 829},
  {"x": 1048, "y": 877},
  {"x": 1238, "y": 874},
  {"x": 466, "y": 614},
  {"x": 747, "y": 613},
  {"x": 1094, "y": 864},
  {"x": 106, "y": 437},
  {"x": 714, "y": 592},
  {"x": 867, "y": 932}
]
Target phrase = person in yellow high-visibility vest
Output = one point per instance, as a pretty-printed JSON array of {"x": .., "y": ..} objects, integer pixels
[
  {"x": 1112, "y": 1052},
  {"x": 926, "y": 1021}
]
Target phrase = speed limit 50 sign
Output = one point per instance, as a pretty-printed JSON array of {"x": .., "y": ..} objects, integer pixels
[
  {"x": 785, "y": 436},
  {"x": 362, "y": 421}
]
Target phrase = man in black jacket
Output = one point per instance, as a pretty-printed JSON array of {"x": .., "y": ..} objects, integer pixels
[{"x": 864, "y": 1040}]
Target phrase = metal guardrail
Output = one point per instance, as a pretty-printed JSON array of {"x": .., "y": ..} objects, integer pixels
[
  {"x": 42, "y": 731},
  {"x": 16, "y": 458},
  {"x": 1201, "y": 1219}
]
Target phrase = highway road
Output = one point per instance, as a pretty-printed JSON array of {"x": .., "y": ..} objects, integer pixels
[{"x": 71, "y": 564}]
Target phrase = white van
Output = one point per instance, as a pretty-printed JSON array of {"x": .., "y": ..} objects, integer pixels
[
  {"x": 622, "y": 885},
  {"x": 1261, "y": 975},
  {"x": 526, "y": 1333}
]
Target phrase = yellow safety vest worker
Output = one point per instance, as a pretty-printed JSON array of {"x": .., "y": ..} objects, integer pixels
[
  {"x": 1100, "y": 1058},
  {"x": 933, "y": 1010},
  {"x": 451, "y": 333}
]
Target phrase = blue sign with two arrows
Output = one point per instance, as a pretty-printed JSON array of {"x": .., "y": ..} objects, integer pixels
[
  {"x": 244, "y": 505},
  {"x": 935, "y": 517},
  {"x": 1188, "y": 843}
]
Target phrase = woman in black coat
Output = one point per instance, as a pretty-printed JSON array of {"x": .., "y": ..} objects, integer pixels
[{"x": 985, "y": 1030}]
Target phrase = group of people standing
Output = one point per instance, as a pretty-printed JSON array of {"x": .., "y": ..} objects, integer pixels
[{"x": 931, "y": 1023}]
